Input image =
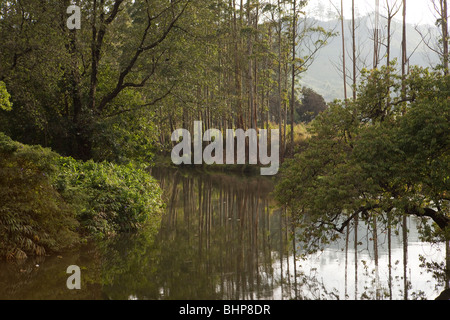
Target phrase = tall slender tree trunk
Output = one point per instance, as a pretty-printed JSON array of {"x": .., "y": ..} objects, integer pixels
[
  {"x": 391, "y": 12},
  {"x": 255, "y": 70},
  {"x": 280, "y": 59},
  {"x": 447, "y": 264},
  {"x": 97, "y": 34},
  {"x": 356, "y": 257},
  {"x": 389, "y": 235},
  {"x": 294, "y": 57},
  {"x": 404, "y": 55},
  {"x": 237, "y": 70},
  {"x": 285, "y": 105},
  {"x": 445, "y": 35},
  {"x": 405, "y": 256},
  {"x": 72, "y": 74},
  {"x": 375, "y": 65},
  {"x": 347, "y": 233},
  {"x": 344, "y": 70},
  {"x": 388, "y": 42},
  {"x": 250, "y": 65},
  {"x": 354, "y": 48},
  {"x": 376, "y": 34},
  {"x": 375, "y": 253}
]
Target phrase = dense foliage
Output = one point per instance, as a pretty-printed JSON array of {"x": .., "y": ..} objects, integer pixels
[
  {"x": 5, "y": 102},
  {"x": 109, "y": 198},
  {"x": 378, "y": 157},
  {"x": 136, "y": 70},
  {"x": 311, "y": 106},
  {"x": 112, "y": 92},
  {"x": 50, "y": 203},
  {"x": 34, "y": 218}
]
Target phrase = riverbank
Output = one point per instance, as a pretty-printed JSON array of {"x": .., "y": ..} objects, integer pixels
[
  {"x": 164, "y": 161},
  {"x": 50, "y": 203}
]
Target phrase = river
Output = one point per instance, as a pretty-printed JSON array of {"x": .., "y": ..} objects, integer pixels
[{"x": 224, "y": 237}]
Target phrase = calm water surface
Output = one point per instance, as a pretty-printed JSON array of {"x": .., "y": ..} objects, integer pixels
[{"x": 224, "y": 237}]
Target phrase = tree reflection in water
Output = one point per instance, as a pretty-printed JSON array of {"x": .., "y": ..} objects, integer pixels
[{"x": 224, "y": 237}]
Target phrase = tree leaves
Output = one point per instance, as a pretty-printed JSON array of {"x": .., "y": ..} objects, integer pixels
[
  {"x": 370, "y": 157},
  {"x": 5, "y": 103}
]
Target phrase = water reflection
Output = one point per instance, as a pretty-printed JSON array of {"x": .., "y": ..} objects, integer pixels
[
  {"x": 224, "y": 237},
  {"x": 242, "y": 244},
  {"x": 44, "y": 278},
  {"x": 221, "y": 235}
]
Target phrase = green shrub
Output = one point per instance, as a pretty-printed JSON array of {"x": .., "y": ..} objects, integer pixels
[
  {"x": 34, "y": 217},
  {"x": 48, "y": 202},
  {"x": 110, "y": 198}
]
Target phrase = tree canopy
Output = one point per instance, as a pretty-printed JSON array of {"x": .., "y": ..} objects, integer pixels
[
  {"x": 382, "y": 155},
  {"x": 311, "y": 105},
  {"x": 136, "y": 70}
]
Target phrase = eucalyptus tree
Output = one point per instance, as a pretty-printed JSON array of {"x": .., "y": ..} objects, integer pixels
[{"x": 307, "y": 39}]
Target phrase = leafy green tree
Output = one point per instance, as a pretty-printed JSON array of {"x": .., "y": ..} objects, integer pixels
[
  {"x": 136, "y": 70},
  {"x": 65, "y": 83},
  {"x": 370, "y": 158},
  {"x": 311, "y": 105}
]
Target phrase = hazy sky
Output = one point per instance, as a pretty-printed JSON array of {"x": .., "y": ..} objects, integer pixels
[{"x": 418, "y": 11}]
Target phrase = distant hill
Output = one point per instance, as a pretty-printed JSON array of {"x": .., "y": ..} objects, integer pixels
[{"x": 325, "y": 76}]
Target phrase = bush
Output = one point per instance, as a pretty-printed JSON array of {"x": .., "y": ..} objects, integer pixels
[
  {"x": 34, "y": 217},
  {"x": 110, "y": 198},
  {"x": 48, "y": 202}
]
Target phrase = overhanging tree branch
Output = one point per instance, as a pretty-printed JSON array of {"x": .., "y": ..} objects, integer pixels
[
  {"x": 440, "y": 219},
  {"x": 139, "y": 51},
  {"x": 153, "y": 102}
]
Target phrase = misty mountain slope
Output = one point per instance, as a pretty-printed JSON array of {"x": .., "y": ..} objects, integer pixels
[{"x": 325, "y": 74}]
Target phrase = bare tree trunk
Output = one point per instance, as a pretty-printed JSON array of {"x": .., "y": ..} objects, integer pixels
[
  {"x": 343, "y": 50},
  {"x": 356, "y": 257},
  {"x": 447, "y": 263},
  {"x": 294, "y": 57},
  {"x": 354, "y": 48},
  {"x": 95, "y": 55},
  {"x": 375, "y": 250},
  {"x": 389, "y": 235},
  {"x": 250, "y": 65},
  {"x": 285, "y": 106},
  {"x": 376, "y": 34},
  {"x": 237, "y": 70},
  {"x": 391, "y": 12},
  {"x": 255, "y": 76},
  {"x": 444, "y": 17},
  {"x": 404, "y": 55},
  {"x": 388, "y": 41},
  {"x": 280, "y": 97},
  {"x": 441, "y": 11},
  {"x": 347, "y": 233},
  {"x": 405, "y": 256}
]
